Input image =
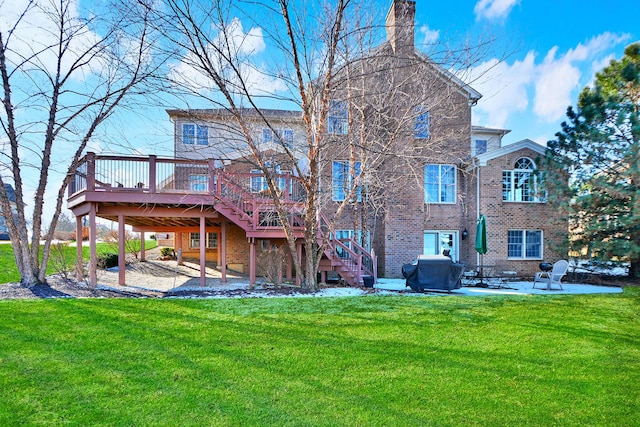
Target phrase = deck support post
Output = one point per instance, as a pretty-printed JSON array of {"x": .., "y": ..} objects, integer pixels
[
  {"x": 298, "y": 277},
  {"x": 143, "y": 252},
  {"x": 252, "y": 261},
  {"x": 122, "y": 261},
  {"x": 177, "y": 243},
  {"x": 222, "y": 250},
  {"x": 93, "y": 257},
  {"x": 289, "y": 272},
  {"x": 79, "y": 263},
  {"x": 203, "y": 252}
]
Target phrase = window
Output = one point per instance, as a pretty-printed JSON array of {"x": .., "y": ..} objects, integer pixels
[
  {"x": 287, "y": 137},
  {"x": 338, "y": 118},
  {"x": 198, "y": 182},
  {"x": 422, "y": 123},
  {"x": 267, "y": 135},
  {"x": 481, "y": 146},
  {"x": 190, "y": 131},
  {"x": 345, "y": 237},
  {"x": 525, "y": 244},
  {"x": 203, "y": 135},
  {"x": 211, "y": 242},
  {"x": 342, "y": 180},
  {"x": 259, "y": 181},
  {"x": 521, "y": 183},
  {"x": 436, "y": 242},
  {"x": 439, "y": 184}
]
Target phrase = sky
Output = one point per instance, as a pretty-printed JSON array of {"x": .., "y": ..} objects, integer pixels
[
  {"x": 545, "y": 53},
  {"x": 542, "y": 54}
]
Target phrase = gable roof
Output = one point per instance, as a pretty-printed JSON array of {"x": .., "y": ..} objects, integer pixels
[{"x": 510, "y": 148}]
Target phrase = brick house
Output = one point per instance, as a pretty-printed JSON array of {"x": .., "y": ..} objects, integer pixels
[{"x": 416, "y": 184}]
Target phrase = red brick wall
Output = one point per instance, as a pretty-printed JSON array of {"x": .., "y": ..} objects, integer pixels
[{"x": 503, "y": 216}]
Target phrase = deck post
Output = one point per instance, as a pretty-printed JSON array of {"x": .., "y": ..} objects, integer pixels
[
  {"x": 289, "y": 272},
  {"x": 79, "y": 263},
  {"x": 143, "y": 251},
  {"x": 177, "y": 243},
  {"x": 222, "y": 248},
  {"x": 122, "y": 265},
  {"x": 203, "y": 252},
  {"x": 91, "y": 171},
  {"x": 93, "y": 257},
  {"x": 299, "y": 248},
  {"x": 152, "y": 174},
  {"x": 252, "y": 261}
]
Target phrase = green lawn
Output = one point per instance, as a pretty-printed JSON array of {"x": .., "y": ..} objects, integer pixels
[
  {"x": 359, "y": 361},
  {"x": 9, "y": 271}
]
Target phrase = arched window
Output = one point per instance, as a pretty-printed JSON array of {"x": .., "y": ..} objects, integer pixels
[{"x": 521, "y": 183}]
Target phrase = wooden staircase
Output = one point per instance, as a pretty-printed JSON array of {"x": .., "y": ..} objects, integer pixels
[{"x": 256, "y": 214}]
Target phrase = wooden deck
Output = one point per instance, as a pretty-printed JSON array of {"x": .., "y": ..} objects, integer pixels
[{"x": 154, "y": 194}]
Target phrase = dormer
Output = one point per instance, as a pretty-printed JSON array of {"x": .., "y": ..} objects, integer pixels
[{"x": 485, "y": 139}]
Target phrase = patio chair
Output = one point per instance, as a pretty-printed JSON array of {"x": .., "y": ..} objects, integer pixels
[{"x": 554, "y": 276}]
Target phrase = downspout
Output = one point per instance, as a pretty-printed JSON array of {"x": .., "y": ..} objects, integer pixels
[{"x": 477, "y": 201}]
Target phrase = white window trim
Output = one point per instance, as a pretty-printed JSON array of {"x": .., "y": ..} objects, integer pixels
[
  {"x": 348, "y": 181},
  {"x": 195, "y": 138},
  {"x": 342, "y": 118},
  {"x": 524, "y": 245},
  {"x": 422, "y": 111},
  {"x": 455, "y": 184},
  {"x": 207, "y": 242},
  {"x": 538, "y": 196}
]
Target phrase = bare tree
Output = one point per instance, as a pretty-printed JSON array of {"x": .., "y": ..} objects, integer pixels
[
  {"x": 321, "y": 52},
  {"x": 62, "y": 77}
]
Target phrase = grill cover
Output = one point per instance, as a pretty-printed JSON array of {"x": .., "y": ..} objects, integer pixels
[{"x": 433, "y": 272}]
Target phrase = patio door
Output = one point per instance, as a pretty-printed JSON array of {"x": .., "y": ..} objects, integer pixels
[{"x": 438, "y": 241}]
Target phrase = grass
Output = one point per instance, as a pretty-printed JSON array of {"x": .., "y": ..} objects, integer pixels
[
  {"x": 9, "y": 271},
  {"x": 367, "y": 361}
]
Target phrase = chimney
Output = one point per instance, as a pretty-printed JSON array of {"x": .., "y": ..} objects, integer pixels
[{"x": 400, "y": 26}]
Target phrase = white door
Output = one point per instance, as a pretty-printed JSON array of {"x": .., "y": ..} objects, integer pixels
[{"x": 439, "y": 241}]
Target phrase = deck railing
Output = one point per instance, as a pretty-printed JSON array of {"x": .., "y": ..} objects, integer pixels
[{"x": 164, "y": 175}]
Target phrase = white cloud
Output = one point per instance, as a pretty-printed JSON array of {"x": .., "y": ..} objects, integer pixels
[
  {"x": 231, "y": 46},
  {"x": 494, "y": 9},
  {"x": 559, "y": 77},
  {"x": 552, "y": 84},
  {"x": 504, "y": 88},
  {"x": 37, "y": 33},
  {"x": 430, "y": 36}
]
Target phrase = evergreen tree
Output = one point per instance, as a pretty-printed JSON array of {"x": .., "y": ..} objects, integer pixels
[{"x": 598, "y": 151}]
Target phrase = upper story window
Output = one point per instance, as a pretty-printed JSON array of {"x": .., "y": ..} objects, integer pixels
[
  {"x": 481, "y": 146},
  {"x": 439, "y": 184},
  {"x": 524, "y": 244},
  {"x": 342, "y": 180},
  {"x": 192, "y": 134},
  {"x": 287, "y": 137},
  {"x": 282, "y": 136},
  {"x": 421, "y": 123},
  {"x": 259, "y": 181},
  {"x": 338, "y": 118},
  {"x": 267, "y": 135},
  {"x": 521, "y": 184}
]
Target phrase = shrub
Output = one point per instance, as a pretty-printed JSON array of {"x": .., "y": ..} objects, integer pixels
[
  {"x": 107, "y": 260},
  {"x": 85, "y": 234},
  {"x": 58, "y": 260},
  {"x": 167, "y": 253}
]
